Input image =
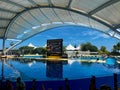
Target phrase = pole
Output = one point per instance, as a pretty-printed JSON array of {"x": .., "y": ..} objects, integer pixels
[
  {"x": 115, "y": 82},
  {"x": 2, "y": 73},
  {"x": 3, "y": 46}
]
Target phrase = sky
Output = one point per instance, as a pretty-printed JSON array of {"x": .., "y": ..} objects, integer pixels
[{"x": 74, "y": 35}]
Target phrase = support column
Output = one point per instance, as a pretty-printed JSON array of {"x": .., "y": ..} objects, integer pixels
[
  {"x": 2, "y": 69},
  {"x": 3, "y": 47}
]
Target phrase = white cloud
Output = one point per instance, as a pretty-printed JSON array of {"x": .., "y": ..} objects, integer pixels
[
  {"x": 101, "y": 36},
  {"x": 91, "y": 33},
  {"x": 95, "y": 34},
  {"x": 73, "y": 41}
]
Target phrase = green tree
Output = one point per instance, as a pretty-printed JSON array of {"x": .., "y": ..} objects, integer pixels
[
  {"x": 103, "y": 50},
  {"x": 94, "y": 49},
  {"x": 26, "y": 50},
  {"x": 88, "y": 47},
  {"x": 64, "y": 49},
  {"x": 39, "y": 50},
  {"x": 116, "y": 49}
]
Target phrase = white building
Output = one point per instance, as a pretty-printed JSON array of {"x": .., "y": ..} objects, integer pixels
[
  {"x": 31, "y": 45},
  {"x": 72, "y": 51},
  {"x": 70, "y": 47}
]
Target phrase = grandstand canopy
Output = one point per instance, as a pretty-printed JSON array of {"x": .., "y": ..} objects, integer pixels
[{"x": 21, "y": 19}]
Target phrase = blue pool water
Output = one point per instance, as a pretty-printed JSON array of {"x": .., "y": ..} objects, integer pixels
[
  {"x": 44, "y": 70},
  {"x": 111, "y": 60},
  {"x": 33, "y": 56}
]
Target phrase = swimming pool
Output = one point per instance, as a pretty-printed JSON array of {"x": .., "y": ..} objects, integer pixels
[
  {"x": 44, "y": 70},
  {"x": 32, "y": 56}
]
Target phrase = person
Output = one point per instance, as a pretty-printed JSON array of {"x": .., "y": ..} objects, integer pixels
[
  {"x": 67, "y": 87},
  {"x": 8, "y": 85},
  {"x": 43, "y": 87},
  {"x": 33, "y": 85},
  {"x": 1, "y": 85},
  {"x": 20, "y": 85},
  {"x": 60, "y": 88},
  {"x": 92, "y": 83},
  {"x": 49, "y": 88},
  {"x": 105, "y": 87}
]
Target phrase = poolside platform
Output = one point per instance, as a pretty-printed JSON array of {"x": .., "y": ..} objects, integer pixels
[{"x": 3, "y": 56}]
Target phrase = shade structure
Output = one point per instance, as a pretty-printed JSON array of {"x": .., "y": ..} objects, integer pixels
[
  {"x": 21, "y": 19},
  {"x": 70, "y": 47}
]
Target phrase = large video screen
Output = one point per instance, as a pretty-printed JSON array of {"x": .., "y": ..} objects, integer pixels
[{"x": 54, "y": 47}]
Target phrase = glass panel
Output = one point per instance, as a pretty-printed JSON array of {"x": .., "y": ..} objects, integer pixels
[
  {"x": 21, "y": 21},
  {"x": 63, "y": 15},
  {"x": 51, "y": 14},
  {"x": 25, "y": 3},
  {"x": 117, "y": 35},
  {"x": 40, "y": 15},
  {"x": 12, "y": 35},
  {"x": 8, "y": 6},
  {"x": 57, "y": 22},
  {"x": 111, "y": 32},
  {"x": 3, "y": 23},
  {"x": 111, "y": 14},
  {"x": 62, "y": 3},
  {"x": 18, "y": 28},
  {"x": 6, "y": 15},
  {"x": 36, "y": 13},
  {"x": 31, "y": 19},
  {"x": 2, "y": 31},
  {"x": 77, "y": 18},
  {"x": 118, "y": 30},
  {"x": 102, "y": 19},
  {"x": 97, "y": 25},
  {"x": 41, "y": 2},
  {"x": 85, "y": 21},
  {"x": 87, "y": 5}
]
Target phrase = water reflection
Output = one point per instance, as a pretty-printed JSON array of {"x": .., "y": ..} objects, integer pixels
[
  {"x": 7, "y": 70},
  {"x": 50, "y": 69},
  {"x": 87, "y": 63},
  {"x": 2, "y": 68},
  {"x": 54, "y": 69},
  {"x": 111, "y": 63}
]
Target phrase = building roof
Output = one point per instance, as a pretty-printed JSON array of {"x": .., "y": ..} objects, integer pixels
[
  {"x": 31, "y": 45},
  {"x": 21, "y": 19},
  {"x": 70, "y": 47}
]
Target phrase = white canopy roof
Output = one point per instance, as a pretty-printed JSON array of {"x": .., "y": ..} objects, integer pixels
[
  {"x": 21, "y": 19},
  {"x": 31, "y": 45},
  {"x": 70, "y": 47}
]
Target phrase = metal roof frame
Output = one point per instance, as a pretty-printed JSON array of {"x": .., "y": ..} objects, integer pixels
[
  {"x": 21, "y": 9},
  {"x": 64, "y": 8},
  {"x": 103, "y": 6}
]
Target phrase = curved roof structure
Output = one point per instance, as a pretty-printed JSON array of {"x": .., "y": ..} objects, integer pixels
[{"x": 21, "y": 19}]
